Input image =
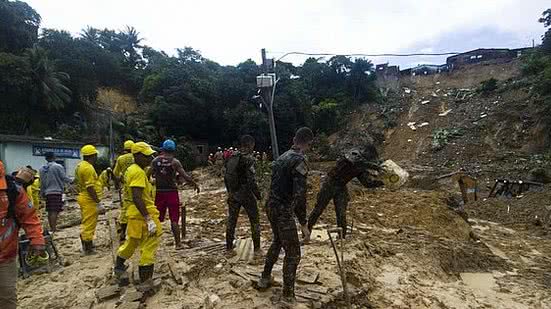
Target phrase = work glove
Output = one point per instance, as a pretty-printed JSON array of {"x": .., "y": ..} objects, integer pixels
[
  {"x": 151, "y": 227},
  {"x": 305, "y": 233},
  {"x": 37, "y": 256}
]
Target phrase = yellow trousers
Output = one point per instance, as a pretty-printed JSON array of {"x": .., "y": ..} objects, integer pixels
[
  {"x": 89, "y": 217},
  {"x": 138, "y": 237},
  {"x": 123, "y": 217}
]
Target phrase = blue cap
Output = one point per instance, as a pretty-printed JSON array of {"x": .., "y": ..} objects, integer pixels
[{"x": 169, "y": 145}]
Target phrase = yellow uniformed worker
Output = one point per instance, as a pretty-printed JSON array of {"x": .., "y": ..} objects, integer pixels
[
  {"x": 89, "y": 189},
  {"x": 105, "y": 178},
  {"x": 144, "y": 228},
  {"x": 33, "y": 191},
  {"x": 29, "y": 179},
  {"x": 121, "y": 165}
]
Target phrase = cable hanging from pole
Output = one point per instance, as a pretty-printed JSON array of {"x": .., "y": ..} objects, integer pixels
[{"x": 368, "y": 55}]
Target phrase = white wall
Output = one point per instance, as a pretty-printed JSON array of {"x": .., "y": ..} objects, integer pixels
[{"x": 16, "y": 155}]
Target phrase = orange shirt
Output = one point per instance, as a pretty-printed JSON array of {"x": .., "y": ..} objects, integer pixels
[{"x": 9, "y": 231}]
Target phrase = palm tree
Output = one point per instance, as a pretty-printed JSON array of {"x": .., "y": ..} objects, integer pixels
[
  {"x": 130, "y": 41},
  {"x": 90, "y": 34},
  {"x": 49, "y": 88}
]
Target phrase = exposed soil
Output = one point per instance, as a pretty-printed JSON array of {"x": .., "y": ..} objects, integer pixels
[{"x": 407, "y": 248}]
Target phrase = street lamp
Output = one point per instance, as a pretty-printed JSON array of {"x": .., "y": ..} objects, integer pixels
[{"x": 267, "y": 84}]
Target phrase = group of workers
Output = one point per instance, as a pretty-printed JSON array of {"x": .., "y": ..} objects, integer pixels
[
  {"x": 149, "y": 187},
  {"x": 287, "y": 199}
]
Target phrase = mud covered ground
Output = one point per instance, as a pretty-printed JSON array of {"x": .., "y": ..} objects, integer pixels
[{"x": 407, "y": 250}]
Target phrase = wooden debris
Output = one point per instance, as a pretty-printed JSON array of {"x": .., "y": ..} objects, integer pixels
[
  {"x": 309, "y": 276},
  {"x": 132, "y": 296},
  {"x": 241, "y": 274},
  {"x": 318, "y": 289},
  {"x": 132, "y": 305},
  {"x": 107, "y": 293}
]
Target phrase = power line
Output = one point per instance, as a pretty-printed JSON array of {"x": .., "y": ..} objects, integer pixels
[{"x": 368, "y": 55}]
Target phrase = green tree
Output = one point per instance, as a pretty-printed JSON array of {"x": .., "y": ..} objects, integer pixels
[
  {"x": 49, "y": 88},
  {"x": 14, "y": 86},
  {"x": 19, "y": 25},
  {"x": 326, "y": 116},
  {"x": 91, "y": 35},
  {"x": 546, "y": 38}
]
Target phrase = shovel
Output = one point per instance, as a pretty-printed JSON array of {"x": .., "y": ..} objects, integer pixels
[{"x": 340, "y": 260}]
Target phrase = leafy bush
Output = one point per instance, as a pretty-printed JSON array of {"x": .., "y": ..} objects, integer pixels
[
  {"x": 326, "y": 115},
  {"x": 184, "y": 153},
  {"x": 533, "y": 63},
  {"x": 488, "y": 86},
  {"x": 442, "y": 137},
  {"x": 68, "y": 132},
  {"x": 322, "y": 147}
]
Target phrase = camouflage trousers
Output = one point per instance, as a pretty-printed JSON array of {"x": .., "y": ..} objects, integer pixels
[
  {"x": 285, "y": 235},
  {"x": 331, "y": 191},
  {"x": 235, "y": 202}
]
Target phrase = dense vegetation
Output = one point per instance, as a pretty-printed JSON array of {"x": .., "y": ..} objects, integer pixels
[
  {"x": 538, "y": 64},
  {"x": 49, "y": 83}
]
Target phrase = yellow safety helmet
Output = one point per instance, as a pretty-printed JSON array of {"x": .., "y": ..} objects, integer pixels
[
  {"x": 88, "y": 150},
  {"x": 142, "y": 147},
  {"x": 128, "y": 145}
]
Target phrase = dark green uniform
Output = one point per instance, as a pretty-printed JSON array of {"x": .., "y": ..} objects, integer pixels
[
  {"x": 287, "y": 200},
  {"x": 245, "y": 196},
  {"x": 353, "y": 165}
]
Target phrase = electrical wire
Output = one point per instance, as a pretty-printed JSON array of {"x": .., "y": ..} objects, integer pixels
[{"x": 368, "y": 55}]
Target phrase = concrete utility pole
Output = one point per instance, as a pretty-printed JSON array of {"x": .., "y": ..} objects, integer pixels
[{"x": 267, "y": 83}]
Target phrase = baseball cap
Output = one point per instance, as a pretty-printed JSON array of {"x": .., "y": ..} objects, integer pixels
[
  {"x": 169, "y": 145},
  {"x": 88, "y": 150},
  {"x": 143, "y": 148},
  {"x": 128, "y": 145},
  {"x": 3, "y": 184}
]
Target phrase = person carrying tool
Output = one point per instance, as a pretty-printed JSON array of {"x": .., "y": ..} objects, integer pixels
[
  {"x": 356, "y": 163},
  {"x": 168, "y": 173},
  {"x": 240, "y": 181},
  {"x": 288, "y": 199},
  {"x": 144, "y": 228},
  {"x": 121, "y": 165},
  {"x": 16, "y": 211},
  {"x": 88, "y": 198},
  {"x": 52, "y": 187}
]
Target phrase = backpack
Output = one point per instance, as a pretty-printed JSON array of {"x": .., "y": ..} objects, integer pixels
[
  {"x": 13, "y": 193},
  {"x": 233, "y": 174}
]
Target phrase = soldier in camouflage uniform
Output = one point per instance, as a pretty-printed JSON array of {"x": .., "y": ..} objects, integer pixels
[
  {"x": 287, "y": 200},
  {"x": 355, "y": 164},
  {"x": 244, "y": 193}
]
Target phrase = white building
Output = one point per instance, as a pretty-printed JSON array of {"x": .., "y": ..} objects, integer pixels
[{"x": 17, "y": 151}]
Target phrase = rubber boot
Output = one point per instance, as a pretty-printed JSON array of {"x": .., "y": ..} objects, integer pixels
[
  {"x": 288, "y": 295},
  {"x": 120, "y": 272},
  {"x": 264, "y": 283},
  {"x": 146, "y": 277},
  {"x": 122, "y": 234},
  {"x": 146, "y": 272},
  {"x": 89, "y": 248}
]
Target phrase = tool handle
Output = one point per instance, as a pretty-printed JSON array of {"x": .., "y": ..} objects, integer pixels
[{"x": 335, "y": 230}]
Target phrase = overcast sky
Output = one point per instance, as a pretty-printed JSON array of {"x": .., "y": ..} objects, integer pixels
[{"x": 231, "y": 31}]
